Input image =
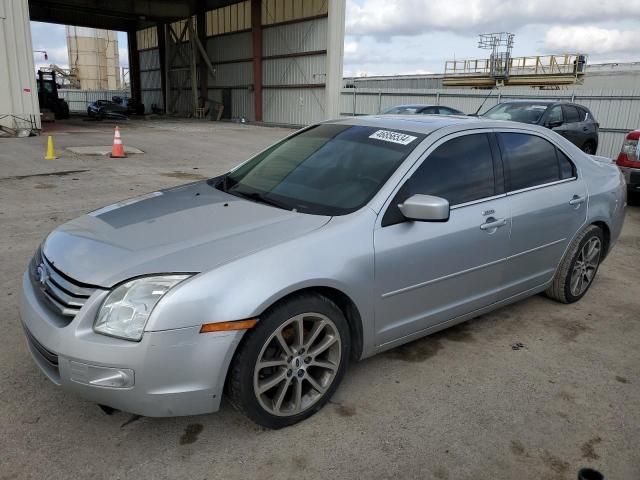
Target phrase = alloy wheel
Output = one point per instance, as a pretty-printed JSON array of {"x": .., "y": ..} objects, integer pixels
[
  {"x": 585, "y": 266},
  {"x": 297, "y": 364}
]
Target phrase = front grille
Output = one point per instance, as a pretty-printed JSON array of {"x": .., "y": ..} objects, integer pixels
[{"x": 60, "y": 293}]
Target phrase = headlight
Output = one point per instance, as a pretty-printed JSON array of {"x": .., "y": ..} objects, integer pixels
[{"x": 126, "y": 309}]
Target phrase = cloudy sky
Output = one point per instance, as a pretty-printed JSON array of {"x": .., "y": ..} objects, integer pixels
[
  {"x": 390, "y": 37},
  {"x": 53, "y": 39},
  {"x": 387, "y": 37}
]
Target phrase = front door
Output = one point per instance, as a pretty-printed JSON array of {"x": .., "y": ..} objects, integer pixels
[{"x": 430, "y": 272}]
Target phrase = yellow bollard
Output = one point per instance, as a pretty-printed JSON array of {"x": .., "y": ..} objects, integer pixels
[{"x": 51, "y": 151}]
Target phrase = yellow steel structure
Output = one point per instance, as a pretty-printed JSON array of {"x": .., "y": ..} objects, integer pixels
[{"x": 545, "y": 70}]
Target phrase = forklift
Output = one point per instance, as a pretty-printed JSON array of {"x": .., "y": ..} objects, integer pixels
[{"x": 48, "y": 95}]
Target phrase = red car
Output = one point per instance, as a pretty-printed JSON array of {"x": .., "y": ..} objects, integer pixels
[{"x": 629, "y": 161}]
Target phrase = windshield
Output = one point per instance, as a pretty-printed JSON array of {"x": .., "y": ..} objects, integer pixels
[
  {"x": 403, "y": 110},
  {"x": 325, "y": 170},
  {"x": 517, "y": 112}
]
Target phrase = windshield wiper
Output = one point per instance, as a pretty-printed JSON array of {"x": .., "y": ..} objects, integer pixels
[{"x": 258, "y": 197}]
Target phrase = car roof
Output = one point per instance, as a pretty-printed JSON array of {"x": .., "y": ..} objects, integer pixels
[
  {"x": 429, "y": 123},
  {"x": 543, "y": 101},
  {"x": 414, "y": 105}
]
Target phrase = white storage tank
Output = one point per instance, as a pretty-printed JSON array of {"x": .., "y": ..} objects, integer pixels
[
  {"x": 18, "y": 94},
  {"x": 93, "y": 56}
]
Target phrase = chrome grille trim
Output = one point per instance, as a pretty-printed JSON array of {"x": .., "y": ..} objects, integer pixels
[
  {"x": 62, "y": 294},
  {"x": 74, "y": 289}
]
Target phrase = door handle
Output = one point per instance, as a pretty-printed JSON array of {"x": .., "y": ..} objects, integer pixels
[
  {"x": 577, "y": 200},
  {"x": 493, "y": 223}
]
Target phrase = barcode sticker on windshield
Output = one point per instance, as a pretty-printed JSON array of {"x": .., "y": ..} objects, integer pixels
[{"x": 393, "y": 137}]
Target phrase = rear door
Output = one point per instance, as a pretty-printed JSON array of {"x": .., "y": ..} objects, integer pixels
[
  {"x": 548, "y": 203},
  {"x": 430, "y": 272},
  {"x": 573, "y": 125},
  {"x": 588, "y": 125}
]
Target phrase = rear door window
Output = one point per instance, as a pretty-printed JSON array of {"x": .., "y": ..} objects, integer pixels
[
  {"x": 529, "y": 160},
  {"x": 567, "y": 169},
  {"x": 571, "y": 114},
  {"x": 429, "y": 111}
]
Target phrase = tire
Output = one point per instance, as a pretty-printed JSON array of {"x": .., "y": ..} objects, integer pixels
[
  {"x": 563, "y": 288},
  {"x": 589, "y": 148},
  {"x": 296, "y": 387}
]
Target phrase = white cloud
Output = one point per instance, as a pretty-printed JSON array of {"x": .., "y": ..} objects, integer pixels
[
  {"x": 590, "y": 39},
  {"x": 470, "y": 17}
]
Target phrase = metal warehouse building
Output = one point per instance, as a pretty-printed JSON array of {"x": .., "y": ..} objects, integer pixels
[{"x": 273, "y": 61}]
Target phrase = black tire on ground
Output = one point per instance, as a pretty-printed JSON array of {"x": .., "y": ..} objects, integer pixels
[
  {"x": 240, "y": 381},
  {"x": 589, "y": 148},
  {"x": 560, "y": 289}
]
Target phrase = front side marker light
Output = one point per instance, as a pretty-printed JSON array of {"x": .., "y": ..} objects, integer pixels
[{"x": 228, "y": 326}]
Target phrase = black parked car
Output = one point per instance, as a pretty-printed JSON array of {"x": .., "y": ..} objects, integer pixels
[
  {"x": 574, "y": 122},
  {"x": 117, "y": 108},
  {"x": 422, "y": 110}
]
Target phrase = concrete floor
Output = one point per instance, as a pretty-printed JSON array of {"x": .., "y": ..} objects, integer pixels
[{"x": 467, "y": 403}]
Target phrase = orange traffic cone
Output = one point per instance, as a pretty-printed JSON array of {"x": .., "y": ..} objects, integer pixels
[{"x": 117, "y": 150}]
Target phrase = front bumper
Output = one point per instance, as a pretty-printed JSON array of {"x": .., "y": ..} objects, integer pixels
[
  {"x": 632, "y": 177},
  {"x": 168, "y": 373}
]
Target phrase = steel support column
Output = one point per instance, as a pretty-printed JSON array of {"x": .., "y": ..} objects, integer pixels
[
  {"x": 256, "y": 33},
  {"x": 162, "y": 53},
  {"x": 203, "y": 70},
  {"x": 134, "y": 66}
]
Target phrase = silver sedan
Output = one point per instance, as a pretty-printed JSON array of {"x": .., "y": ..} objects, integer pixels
[{"x": 346, "y": 239}]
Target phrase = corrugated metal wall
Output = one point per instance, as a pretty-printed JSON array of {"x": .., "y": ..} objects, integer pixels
[
  {"x": 237, "y": 75},
  {"x": 150, "y": 74},
  {"x": 19, "y": 106},
  {"x": 413, "y": 81},
  {"x": 295, "y": 45},
  {"x": 289, "y": 95},
  {"x": 617, "y": 111},
  {"x": 79, "y": 100}
]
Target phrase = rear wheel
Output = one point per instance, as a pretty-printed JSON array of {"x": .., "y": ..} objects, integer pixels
[
  {"x": 290, "y": 364},
  {"x": 589, "y": 148},
  {"x": 578, "y": 269}
]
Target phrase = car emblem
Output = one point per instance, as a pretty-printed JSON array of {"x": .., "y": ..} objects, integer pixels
[{"x": 43, "y": 274}]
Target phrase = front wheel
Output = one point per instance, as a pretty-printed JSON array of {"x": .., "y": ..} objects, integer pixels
[
  {"x": 290, "y": 364},
  {"x": 578, "y": 268}
]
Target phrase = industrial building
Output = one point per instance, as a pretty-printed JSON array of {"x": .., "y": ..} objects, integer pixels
[
  {"x": 273, "y": 61},
  {"x": 619, "y": 76}
]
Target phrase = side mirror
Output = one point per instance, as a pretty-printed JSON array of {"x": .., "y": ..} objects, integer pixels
[
  {"x": 425, "y": 208},
  {"x": 554, "y": 124}
]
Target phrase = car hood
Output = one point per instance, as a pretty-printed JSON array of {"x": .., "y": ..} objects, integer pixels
[{"x": 192, "y": 228}]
